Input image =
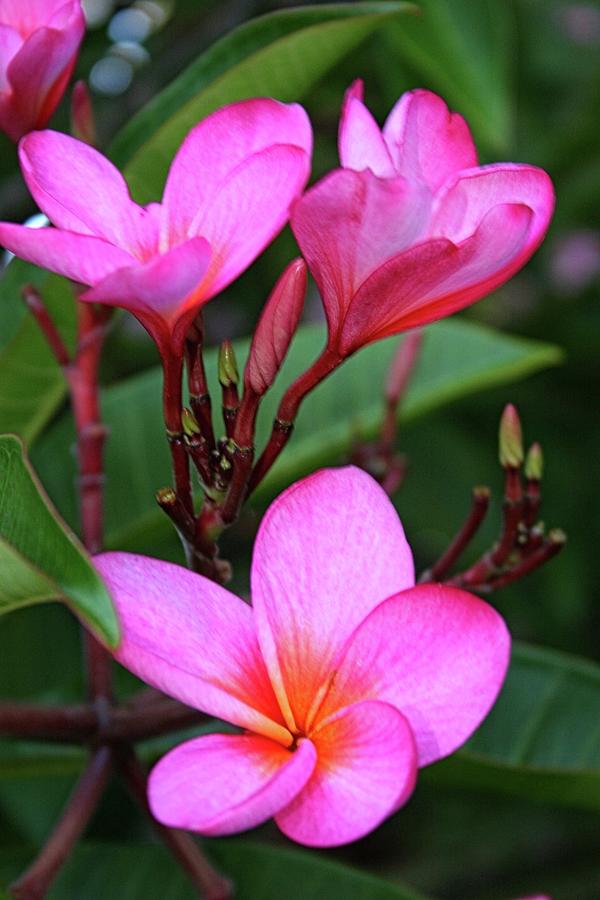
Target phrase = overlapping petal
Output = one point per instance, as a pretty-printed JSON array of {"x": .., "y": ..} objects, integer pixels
[
  {"x": 214, "y": 149},
  {"x": 223, "y": 783},
  {"x": 360, "y": 141},
  {"x": 366, "y": 770},
  {"x": 436, "y": 653},
  {"x": 426, "y": 141},
  {"x": 329, "y": 549},
  {"x": 87, "y": 194},
  {"x": 192, "y": 639}
]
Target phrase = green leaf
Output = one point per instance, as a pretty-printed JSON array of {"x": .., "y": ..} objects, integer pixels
[
  {"x": 130, "y": 872},
  {"x": 542, "y": 739},
  {"x": 466, "y": 53},
  {"x": 31, "y": 383},
  {"x": 39, "y": 558},
  {"x": 458, "y": 359},
  {"x": 282, "y": 55}
]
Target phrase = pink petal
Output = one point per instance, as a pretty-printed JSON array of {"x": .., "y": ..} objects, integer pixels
[
  {"x": 87, "y": 194},
  {"x": 163, "y": 293},
  {"x": 215, "y": 148},
  {"x": 427, "y": 142},
  {"x": 249, "y": 209},
  {"x": 438, "y": 654},
  {"x": 224, "y": 783},
  {"x": 329, "y": 549},
  {"x": 366, "y": 770},
  {"x": 350, "y": 223},
  {"x": 436, "y": 278},
  {"x": 192, "y": 639},
  {"x": 361, "y": 144},
  {"x": 77, "y": 256},
  {"x": 10, "y": 43},
  {"x": 463, "y": 203}
]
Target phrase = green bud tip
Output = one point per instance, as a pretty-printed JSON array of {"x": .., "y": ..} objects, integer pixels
[
  {"x": 534, "y": 463},
  {"x": 228, "y": 370},
  {"x": 189, "y": 423},
  {"x": 557, "y": 536},
  {"x": 166, "y": 496},
  {"x": 510, "y": 439}
]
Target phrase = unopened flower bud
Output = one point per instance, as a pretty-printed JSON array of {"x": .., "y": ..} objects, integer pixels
[
  {"x": 534, "y": 463},
  {"x": 189, "y": 423},
  {"x": 510, "y": 439},
  {"x": 83, "y": 123},
  {"x": 228, "y": 370},
  {"x": 276, "y": 328}
]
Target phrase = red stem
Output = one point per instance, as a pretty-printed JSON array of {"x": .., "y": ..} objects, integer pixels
[
  {"x": 479, "y": 507},
  {"x": 172, "y": 384},
  {"x": 34, "y": 883}
]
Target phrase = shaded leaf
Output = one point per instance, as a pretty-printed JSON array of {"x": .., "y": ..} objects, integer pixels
[{"x": 39, "y": 558}]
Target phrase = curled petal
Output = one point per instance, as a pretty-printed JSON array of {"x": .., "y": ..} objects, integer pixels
[
  {"x": 88, "y": 195},
  {"x": 223, "y": 783},
  {"x": 427, "y": 142},
  {"x": 360, "y": 141},
  {"x": 436, "y": 653},
  {"x": 437, "y": 277},
  {"x": 192, "y": 639},
  {"x": 215, "y": 148},
  {"x": 78, "y": 256},
  {"x": 329, "y": 549},
  {"x": 366, "y": 770}
]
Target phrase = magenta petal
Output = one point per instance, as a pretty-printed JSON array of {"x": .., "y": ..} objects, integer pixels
[
  {"x": 77, "y": 256},
  {"x": 350, "y": 223},
  {"x": 161, "y": 292},
  {"x": 427, "y": 142},
  {"x": 328, "y": 550},
  {"x": 249, "y": 209},
  {"x": 80, "y": 190},
  {"x": 436, "y": 278},
  {"x": 192, "y": 639},
  {"x": 223, "y": 783},
  {"x": 366, "y": 770},
  {"x": 436, "y": 653},
  {"x": 215, "y": 148},
  {"x": 361, "y": 144}
]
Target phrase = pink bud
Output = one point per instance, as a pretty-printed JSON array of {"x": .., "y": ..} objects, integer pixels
[
  {"x": 83, "y": 123},
  {"x": 276, "y": 328},
  {"x": 38, "y": 51}
]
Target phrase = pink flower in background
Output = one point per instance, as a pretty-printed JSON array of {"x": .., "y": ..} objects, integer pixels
[
  {"x": 412, "y": 229},
  {"x": 344, "y": 676},
  {"x": 39, "y": 41},
  {"x": 227, "y": 195}
]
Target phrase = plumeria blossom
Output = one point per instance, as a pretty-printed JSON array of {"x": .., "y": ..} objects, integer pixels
[
  {"x": 39, "y": 41},
  {"x": 344, "y": 676},
  {"x": 227, "y": 195},
  {"x": 411, "y": 229}
]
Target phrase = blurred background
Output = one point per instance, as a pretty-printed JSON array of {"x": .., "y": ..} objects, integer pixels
[{"x": 526, "y": 75}]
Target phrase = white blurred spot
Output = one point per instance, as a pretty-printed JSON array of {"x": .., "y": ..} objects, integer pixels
[
  {"x": 96, "y": 12},
  {"x": 132, "y": 52},
  {"x": 111, "y": 75},
  {"x": 130, "y": 25},
  {"x": 157, "y": 11},
  {"x": 575, "y": 262}
]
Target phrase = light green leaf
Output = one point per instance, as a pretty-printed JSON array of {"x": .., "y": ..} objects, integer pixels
[
  {"x": 134, "y": 871},
  {"x": 458, "y": 359},
  {"x": 39, "y": 558},
  {"x": 542, "y": 739},
  {"x": 465, "y": 52},
  {"x": 282, "y": 55},
  {"x": 31, "y": 383}
]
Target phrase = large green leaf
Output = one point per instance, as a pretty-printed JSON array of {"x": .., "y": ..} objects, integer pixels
[
  {"x": 31, "y": 383},
  {"x": 465, "y": 51},
  {"x": 39, "y": 558},
  {"x": 458, "y": 358},
  {"x": 282, "y": 55},
  {"x": 131, "y": 872},
  {"x": 542, "y": 738}
]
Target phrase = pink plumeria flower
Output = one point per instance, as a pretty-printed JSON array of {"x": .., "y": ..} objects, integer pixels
[
  {"x": 412, "y": 229},
  {"x": 227, "y": 195},
  {"x": 39, "y": 41},
  {"x": 344, "y": 676}
]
